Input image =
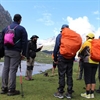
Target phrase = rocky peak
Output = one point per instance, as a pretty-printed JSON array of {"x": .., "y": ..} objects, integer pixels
[{"x": 5, "y": 18}]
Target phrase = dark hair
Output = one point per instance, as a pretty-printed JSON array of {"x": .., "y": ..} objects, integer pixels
[
  {"x": 90, "y": 37},
  {"x": 34, "y": 36},
  {"x": 17, "y": 17}
]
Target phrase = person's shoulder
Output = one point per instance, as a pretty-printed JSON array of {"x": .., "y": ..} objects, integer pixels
[
  {"x": 87, "y": 42},
  {"x": 58, "y": 36},
  {"x": 29, "y": 42},
  {"x": 22, "y": 27}
]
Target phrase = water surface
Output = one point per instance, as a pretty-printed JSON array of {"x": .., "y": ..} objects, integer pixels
[{"x": 38, "y": 68}]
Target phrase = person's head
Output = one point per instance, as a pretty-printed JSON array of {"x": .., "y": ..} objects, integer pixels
[
  {"x": 34, "y": 38},
  {"x": 99, "y": 37},
  {"x": 90, "y": 36},
  {"x": 64, "y": 26},
  {"x": 17, "y": 18}
]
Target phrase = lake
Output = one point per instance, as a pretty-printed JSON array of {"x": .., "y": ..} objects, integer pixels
[{"x": 38, "y": 68}]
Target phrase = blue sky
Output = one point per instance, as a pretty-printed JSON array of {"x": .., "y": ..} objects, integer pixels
[{"x": 45, "y": 17}]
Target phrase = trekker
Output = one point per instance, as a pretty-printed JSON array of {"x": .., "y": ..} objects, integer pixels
[
  {"x": 54, "y": 65},
  {"x": 65, "y": 68},
  {"x": 90, "y": 67},
  {"x": 13, "y": 56},
  {"x": 31, "y": 54},
  {"x": 80, "y": 67}
]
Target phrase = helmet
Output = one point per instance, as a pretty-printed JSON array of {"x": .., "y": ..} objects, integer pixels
[
  {"x": 65, "y": 26},
  {"x": 90, "y": 35},
  {"x": 34, "y": 36}
]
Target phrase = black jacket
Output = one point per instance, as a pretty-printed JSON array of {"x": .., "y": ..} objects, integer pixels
[{"x": 32, "y": 49}]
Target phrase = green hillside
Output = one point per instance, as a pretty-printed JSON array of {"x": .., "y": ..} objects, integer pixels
[{"x": 43, "y": 57}]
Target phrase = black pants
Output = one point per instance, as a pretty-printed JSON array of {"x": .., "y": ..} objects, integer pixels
[
  {"x": 65, "y": 70},
  {"x": 81, "y": 69},
  {"x": 89, "y": 73}
]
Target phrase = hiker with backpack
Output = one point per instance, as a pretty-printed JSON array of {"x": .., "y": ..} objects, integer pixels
[
  {"x": 90, "y": 66},
  {"x": 68, "y": 42},
  {"x": 31, "y": 54},
  {"x": 15, "y": 50}
]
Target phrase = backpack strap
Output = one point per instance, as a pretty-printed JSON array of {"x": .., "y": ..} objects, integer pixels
[
  {"x": 17, "y": 41},
  {"x": 13, "y": 28},
  {"x": 9, "y": 27}
]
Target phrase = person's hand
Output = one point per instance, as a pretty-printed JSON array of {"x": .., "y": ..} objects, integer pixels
[
  {"x": 41, "y": 47},
  {"x": 28, "y": 60},
  {"x": 79, "y": 58},
  {"x": 22, "y": 57},
  {"x": 56, "y": 62}
]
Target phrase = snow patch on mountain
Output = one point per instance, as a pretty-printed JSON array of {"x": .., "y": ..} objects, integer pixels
[{"x": 47, "y": 42}]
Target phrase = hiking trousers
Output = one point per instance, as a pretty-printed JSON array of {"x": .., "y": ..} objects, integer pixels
[
  {"x": 12, "y": 60},
  {"x": 65, "y": 70},
  {"x": 30, "y": 66}
]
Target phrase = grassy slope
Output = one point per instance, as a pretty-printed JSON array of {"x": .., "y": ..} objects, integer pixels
[
  {"x": 43, "y": 58},
  {"x": 42, "y": 88}
]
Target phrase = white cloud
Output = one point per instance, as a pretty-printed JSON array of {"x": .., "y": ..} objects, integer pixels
[
  {"x": 98, "y": 18},
  {"x": 46, "y": 19},
  {"x": 38, "y": 7},
  {"x": 82, "y": 26},
  {"x": 96, "y": 12}
]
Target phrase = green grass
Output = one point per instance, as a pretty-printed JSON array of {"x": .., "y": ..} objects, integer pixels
[
  {"x": 43, "y": 58},
  {"x": 43, "y": 88}
]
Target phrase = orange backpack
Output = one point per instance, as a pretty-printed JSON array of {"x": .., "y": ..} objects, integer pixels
[
  {"x": 70, "y": 43},
  {"x": 95, "y": 50}
]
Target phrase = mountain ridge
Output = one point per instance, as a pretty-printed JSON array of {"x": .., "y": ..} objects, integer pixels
[{"x": 5, "y": 18}]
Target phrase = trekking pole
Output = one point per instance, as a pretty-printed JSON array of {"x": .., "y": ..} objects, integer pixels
[{"x": 22, "y": 94}]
